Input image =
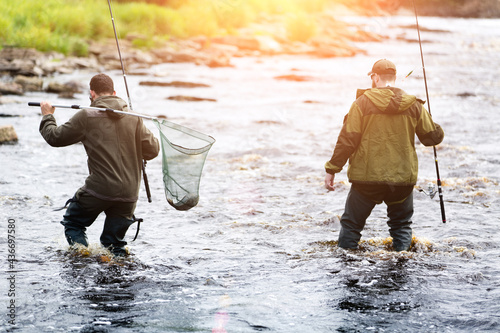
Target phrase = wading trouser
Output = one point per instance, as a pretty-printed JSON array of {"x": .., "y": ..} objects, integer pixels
[
  {"x": 359, "y": 204},
  {"x": 83, "y": 211}
]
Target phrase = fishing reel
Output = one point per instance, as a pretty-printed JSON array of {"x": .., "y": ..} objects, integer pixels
[{"x": 431, "y": 190}]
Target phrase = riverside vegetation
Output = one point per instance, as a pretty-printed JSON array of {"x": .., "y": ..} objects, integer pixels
[
  {"x": 45, "y": 39},
  {"x": 67, "y": 26},
  {"x": 41, "y": 39}
]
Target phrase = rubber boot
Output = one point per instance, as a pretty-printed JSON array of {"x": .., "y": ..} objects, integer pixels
[
  {"x": 113, "y": 234},
  {"x": 400, "y": 224},
  {"x": 75, "y": 222},
  {"x": 357, "y": 210}
]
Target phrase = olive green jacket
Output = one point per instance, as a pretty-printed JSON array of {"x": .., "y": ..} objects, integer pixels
[
  {"x": 378, "y": 138},
  {"x": 115, "y": 144}
]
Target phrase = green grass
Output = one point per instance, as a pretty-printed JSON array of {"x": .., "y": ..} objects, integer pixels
[{"x": 67, "y": 26}]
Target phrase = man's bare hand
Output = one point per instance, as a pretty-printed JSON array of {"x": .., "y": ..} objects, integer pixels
[
  {"x": 329, "y": 182},
  {"x": 47, "y": 108}
]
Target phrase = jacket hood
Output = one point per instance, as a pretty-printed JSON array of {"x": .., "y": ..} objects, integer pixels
[
  {"x": 111, "y": 102},
  {"x": 389, "y": 100}
]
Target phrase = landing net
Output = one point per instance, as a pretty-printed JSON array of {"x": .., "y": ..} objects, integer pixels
[{"x": 184, "y": 152}]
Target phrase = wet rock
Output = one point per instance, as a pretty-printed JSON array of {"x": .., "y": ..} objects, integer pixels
[
  {"x": 168, "y": 54},
  {"x": 297, "y": 48},
  {"x": 181, "y": 98},
  {"x": 269, "y": 45},
  {"x": 294, "y": 77},
  {"x": 327, "y": 47},
  {"x": 466, "y": 94},
  {"x": 20, "y": 61},
  {"x": 53, "y": 62},
  {"x": 219, "y": 62},
  {"x": 327, "y": 51},
  {"x": 7, "y": 134},
  {"x": 29, "y": 83},
  {"x": 11, "y": 88},
  {"x": 55, "y": 87},
  {"x": 108, "y": 55},
  {"x": 65, "y": 90},
  {"x": 66, "y": 95},
  {"x": 177, "y": 84},
  {"x": 216, "y": 50},
  {"x": 264, "y": 44},
  {"x": 241, "y": 42},
  {"x": 20, "y": 67},
  {"x": 212, "y": 57},
  {"x": 13, "y": 53},
  {"x": 75, "y": 86},
  {"x": 26, "y": 67},
  {"x": 82, "y": 63}
]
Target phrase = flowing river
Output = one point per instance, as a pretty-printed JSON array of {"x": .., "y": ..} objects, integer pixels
[{"x": 259, "y": 253}]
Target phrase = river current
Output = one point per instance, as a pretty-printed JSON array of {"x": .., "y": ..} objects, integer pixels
[{"x": 259, "y": 252}]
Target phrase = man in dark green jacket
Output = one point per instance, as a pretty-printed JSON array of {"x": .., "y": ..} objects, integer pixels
[
  {"x": 378, "y": 138},
  {"x": 115, "y": 144}
]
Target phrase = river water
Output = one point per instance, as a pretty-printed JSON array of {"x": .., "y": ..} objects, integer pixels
[{"x": 259, "y": 253}]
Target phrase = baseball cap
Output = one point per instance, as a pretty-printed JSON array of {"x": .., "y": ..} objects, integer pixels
[{"x": 383, "y": 66}]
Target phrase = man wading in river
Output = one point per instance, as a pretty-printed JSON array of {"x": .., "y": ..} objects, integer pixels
[
  {"x": 115, "y": 144},
  {"x": 378, "y": 138}
]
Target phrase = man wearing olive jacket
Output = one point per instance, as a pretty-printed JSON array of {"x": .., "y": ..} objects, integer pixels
[
  {"x": 378, "y": 138},
  {"x": 115, "y": 144}
]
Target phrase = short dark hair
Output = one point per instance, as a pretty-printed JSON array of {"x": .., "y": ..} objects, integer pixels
[{"x": 102, "y": 84}]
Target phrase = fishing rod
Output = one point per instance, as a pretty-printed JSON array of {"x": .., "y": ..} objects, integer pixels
[
  {"x": 440, "y": 191},
  {"x": 146, "y": 183},
  {"x": 78, "y": 107}
]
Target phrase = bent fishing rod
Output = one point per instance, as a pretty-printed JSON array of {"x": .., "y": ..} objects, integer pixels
[
  {"x": 440, "y": 190},
  {"x": 145, "y": 177},
  {"x": 78, "y": 107}
]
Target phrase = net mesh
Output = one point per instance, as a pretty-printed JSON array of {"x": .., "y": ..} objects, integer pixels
[{"x": 184, "y": 153}]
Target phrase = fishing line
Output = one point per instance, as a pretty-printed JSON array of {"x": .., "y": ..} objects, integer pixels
[
  {"x": 145, "y": 177},
  {"x": 440, "y": 191}
]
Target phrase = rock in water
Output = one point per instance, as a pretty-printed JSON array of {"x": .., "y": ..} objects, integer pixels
[
  {"x": 293, "y": 77},
  {"x": 7, "y": 134},
  {"x": 29, "y": 83},
  {"x": 181, "y": 98},
  {"x": 11, "y": 88},
  {"x": 178, "y": 84}
]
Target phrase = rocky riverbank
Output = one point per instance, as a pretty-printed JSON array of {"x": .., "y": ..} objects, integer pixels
[{"x": 26, "y": 70}]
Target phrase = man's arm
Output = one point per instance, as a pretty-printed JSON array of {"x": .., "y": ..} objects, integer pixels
[
  {"x": 60, "y": 136},
  {"x": 347, "y": 143},
  {"x": 429, "y": 133}
]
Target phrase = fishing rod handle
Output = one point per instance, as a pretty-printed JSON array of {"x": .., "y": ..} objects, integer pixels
[
  {"x": 56, "y": 106},
  {"x": 146, "y": 182}
]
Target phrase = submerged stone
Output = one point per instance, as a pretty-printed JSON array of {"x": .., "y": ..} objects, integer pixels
[
  {"x": 181, "y": 98},
  {"x": 7, "y": 134},
  {"x": 177, "y": 84}
]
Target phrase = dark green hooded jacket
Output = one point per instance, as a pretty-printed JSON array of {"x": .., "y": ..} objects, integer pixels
[
  {"x": 115, "y": 144},
  {"x": 378, "y": 138}
]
